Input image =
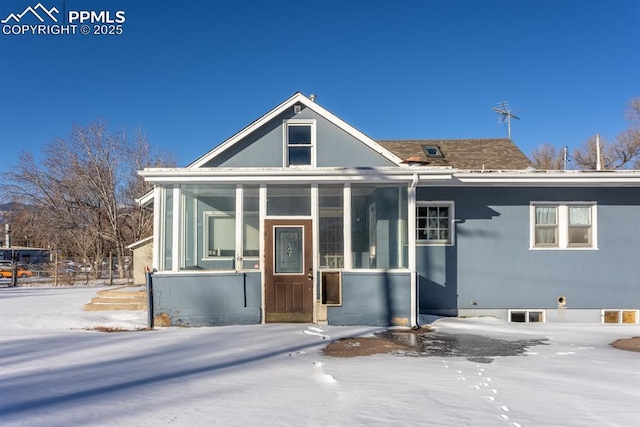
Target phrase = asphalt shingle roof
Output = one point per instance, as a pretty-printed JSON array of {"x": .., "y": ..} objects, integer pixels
[{"x": 471, "y": 154}]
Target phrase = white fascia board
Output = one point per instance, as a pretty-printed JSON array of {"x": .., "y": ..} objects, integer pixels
[
  {"x": 297, "y": 98},
  {"x": 568, "y": 178},
  {"x": 353, "y": 131},
  {"x": 139, "y": 243},
  {"x": 145, "y": 200},
  {"x": 290, "y": 175}
]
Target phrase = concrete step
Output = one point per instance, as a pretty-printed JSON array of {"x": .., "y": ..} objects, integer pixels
[
  {"x": 114, "y": 306},
  {"x": 123, "y": 298},
  {"x": 117, "y": 293},
  {"x": 118, "y": 300}
]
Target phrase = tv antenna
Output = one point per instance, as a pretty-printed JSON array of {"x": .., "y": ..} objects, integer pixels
[{"x": 504, "y": 110}]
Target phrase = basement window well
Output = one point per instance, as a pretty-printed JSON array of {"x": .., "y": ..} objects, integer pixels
[
  {"x": 620, "y": 316},
  {"x": 526, "y": 316}
]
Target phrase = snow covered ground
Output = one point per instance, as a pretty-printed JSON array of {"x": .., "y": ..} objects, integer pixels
[{"x": 54, "y": 371}]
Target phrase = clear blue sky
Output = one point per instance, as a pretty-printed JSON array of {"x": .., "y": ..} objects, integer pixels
[{"x": 191, "y": 74}]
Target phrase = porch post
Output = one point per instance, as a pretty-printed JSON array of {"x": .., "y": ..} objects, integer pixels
[
  {"x": 239, "y": 231},
  {"x": 348, "y": 262},
  {"x": 315, "y": 227},
  {"x": 262, "y": 214},
  {"x": 411, "y": 230},
  {"x": 176, "y": 244},
  {"x": 158, "y": 210}
]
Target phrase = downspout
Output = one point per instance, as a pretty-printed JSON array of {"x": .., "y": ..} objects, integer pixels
[
  {"x": 411, "y": 218},
  {"x": 244, "y": 289}
]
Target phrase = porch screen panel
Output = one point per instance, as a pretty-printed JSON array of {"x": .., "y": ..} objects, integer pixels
[
  {"x": 191, "y": 226},
  {"x": 167, "y": 256},
  {"x": 209, "y": 227},
  {"x": 331, "y": 227},
  {"x": 250, "y": 228},
  {"x": 379, "y": 231},
  {"x": 289, "y": 200}
]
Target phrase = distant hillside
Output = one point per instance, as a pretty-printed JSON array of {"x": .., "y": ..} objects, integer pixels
[{"x": 8, "y": 207}]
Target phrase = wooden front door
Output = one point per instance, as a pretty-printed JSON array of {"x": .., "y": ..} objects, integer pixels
[{"x": 288, "y": 271}]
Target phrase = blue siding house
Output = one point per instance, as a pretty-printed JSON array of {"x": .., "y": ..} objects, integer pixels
[{"x": 300, "y": 217}]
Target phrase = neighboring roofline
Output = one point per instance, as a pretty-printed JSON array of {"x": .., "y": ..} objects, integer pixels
[
  {"x": 296, "y": 98},
  {"x": 24, "y": 248},
  {"x": 139, "y": 243}
]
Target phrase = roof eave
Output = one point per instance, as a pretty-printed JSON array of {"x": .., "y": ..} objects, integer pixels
[
  {"x": 549, "y": 178},
  {"x": 216, "y": 175}
]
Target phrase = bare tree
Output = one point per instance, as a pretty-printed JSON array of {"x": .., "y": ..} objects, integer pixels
[
  {"x": 633, "y": 112},
  {"x": 84, "y": 189},
  {"x": 546, "y": 156},
  {"x": 141, "y": 155},
  {"x": 621, "y": 153},
  {"x": 586, "y": 157},
  {"x": 624, "y": 151}
]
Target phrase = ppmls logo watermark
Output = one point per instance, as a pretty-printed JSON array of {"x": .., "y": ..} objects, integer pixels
[{"x": 38, "y": 20}]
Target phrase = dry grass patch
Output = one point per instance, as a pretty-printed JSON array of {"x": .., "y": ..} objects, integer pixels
[
  {"x": 354, "y": 347},
  {"x": 629, "y": 344},
  {"x": 162, "y": 320}
]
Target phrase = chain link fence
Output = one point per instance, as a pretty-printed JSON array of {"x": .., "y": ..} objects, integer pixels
[{"x": 68, "y": 272}]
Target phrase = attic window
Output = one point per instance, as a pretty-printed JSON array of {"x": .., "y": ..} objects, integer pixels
[
  {"x": 299, "y": 142},
  {"x": 432, "y": 151}
]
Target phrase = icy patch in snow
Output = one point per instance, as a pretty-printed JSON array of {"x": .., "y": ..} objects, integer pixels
[{"x": 311, "y": 330}]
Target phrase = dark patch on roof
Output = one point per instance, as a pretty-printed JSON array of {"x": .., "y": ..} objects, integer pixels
[{"x": 473, "y": 154}]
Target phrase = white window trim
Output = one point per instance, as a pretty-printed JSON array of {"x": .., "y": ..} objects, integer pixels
[
  {"x": 183, "y": 212},
  {"x": 346, "y": 232},
  {"x": 527, "y": 311},
  {"x": 563, "y": 226},
  {"x": 452, "y": 215},
  {"x": 285, "y": 138},
  {"x": 159, "y": 228},
  {"x": 239, "y": 229},
  {"x": 205, "y": 252}
]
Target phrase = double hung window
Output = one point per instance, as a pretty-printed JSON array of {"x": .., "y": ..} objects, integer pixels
[
  {"x": 563, "y": 225},
  {"x": 299, "y": 142}
]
